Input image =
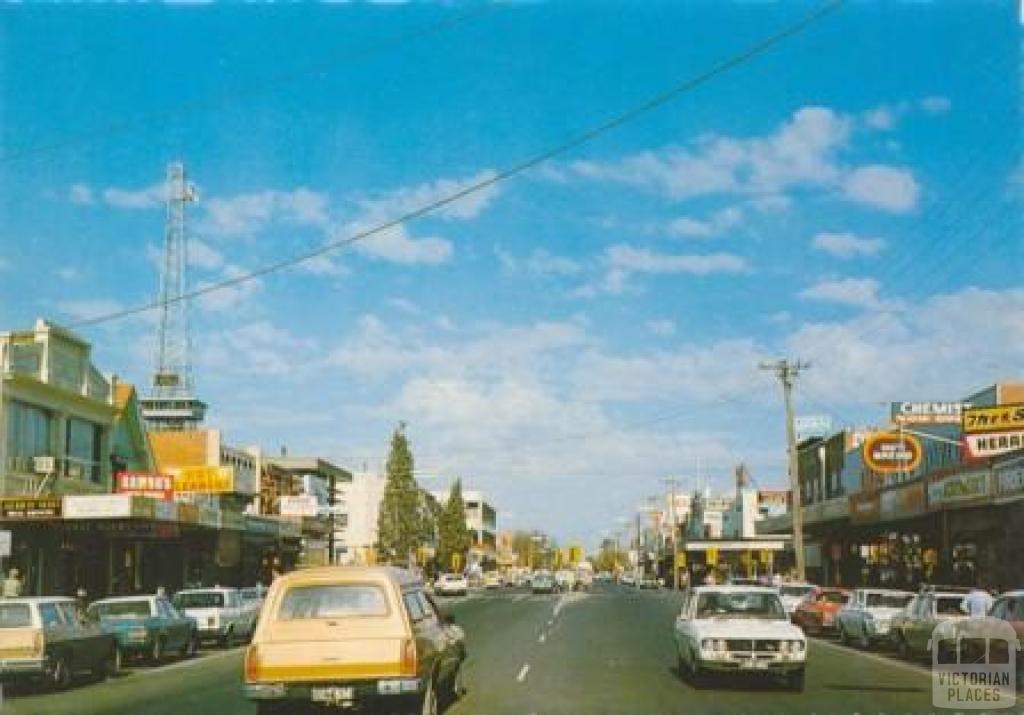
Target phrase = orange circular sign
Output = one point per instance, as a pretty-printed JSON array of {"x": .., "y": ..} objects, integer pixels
[{"x": 891, "y": 452}]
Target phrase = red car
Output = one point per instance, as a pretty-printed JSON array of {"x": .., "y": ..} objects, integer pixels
[{"x": 816, "y": 614}]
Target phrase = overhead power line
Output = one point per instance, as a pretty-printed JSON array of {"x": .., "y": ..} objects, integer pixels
[{"x": 584, "y": 137}]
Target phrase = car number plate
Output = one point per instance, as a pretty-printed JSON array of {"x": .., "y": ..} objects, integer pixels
[
  {"x": 332, "y": 695},
  {"x": 754, "y": 664}
]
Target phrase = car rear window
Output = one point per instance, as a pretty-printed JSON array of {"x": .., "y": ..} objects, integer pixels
[
  {"x": 889, "y": 600},
  {"x": 796, "y": 590},
  {"x": 15, "y": 615},
  {"x": 949, "y": 606},
  {"x": 121, "y": 609},
  {"x": 200, "y": 599},
  {"x": 833, "y": 597},
  {"x": 333, "y": 601}
]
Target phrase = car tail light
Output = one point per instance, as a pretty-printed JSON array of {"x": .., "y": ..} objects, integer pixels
[
  {"x": 408, "y": 665},
  {"x": 252, "y": 663}
]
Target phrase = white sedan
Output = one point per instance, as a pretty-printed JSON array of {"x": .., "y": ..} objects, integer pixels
[
  {"x": 741, "y": 630},
  {"x": 867, "y": 616},
  {"x": 451, "y": 584}
]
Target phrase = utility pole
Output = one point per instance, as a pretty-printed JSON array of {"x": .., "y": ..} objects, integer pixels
[
  {"x": 787, "y": 373},
  {"x": 674, "y": 521}
]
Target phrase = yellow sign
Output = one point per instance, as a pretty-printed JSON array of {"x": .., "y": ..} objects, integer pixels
[
  {"x": 892, "y": 452},
  {"x": 680, "y": 559},
  {"x": 711, "y": 556},
  {"x": 205, "y": 480},
  {"x": 1002, "y": 418},
  {"x": 766, "y": 557}
]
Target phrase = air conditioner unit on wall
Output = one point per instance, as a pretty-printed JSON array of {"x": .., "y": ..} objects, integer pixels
[{"x": 44, "y": 465}]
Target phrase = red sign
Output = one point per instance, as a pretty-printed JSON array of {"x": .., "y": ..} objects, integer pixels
[{"x": 155, "y": 486}]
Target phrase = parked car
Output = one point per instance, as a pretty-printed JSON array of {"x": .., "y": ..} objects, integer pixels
[
  {"x": 148, "y": 626},
  {"x": 451, "y": 584},
  {"x": 1009, "y": 607},
  {"x": 816, "y": 614},
  {"x": 47, "y": 639},
  {"x": 740, "y": 630},
  {"x": 628, "y": 578},
  {"x": 899, "y": 620},
  {"x": 650, "y": 580},
  {"x": 867, "y": 616},
  {"x": 219, "y": 612},
  {"x": 792, "y": 594},
  {"x": 365, "y": 638},
  {"x": 930, "y": 607},
  {"x": 543, "y": 582},
  {"x": 565, "y": 580},
  {"x": 252, "y": 601},
  {"x": 492, "y": 580}
]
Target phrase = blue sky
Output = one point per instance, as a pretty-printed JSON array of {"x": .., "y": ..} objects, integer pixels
[{"x": 569, "y": 338}]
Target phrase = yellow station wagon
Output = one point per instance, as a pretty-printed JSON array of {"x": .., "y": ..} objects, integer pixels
[{"x": 359, "y": 638}]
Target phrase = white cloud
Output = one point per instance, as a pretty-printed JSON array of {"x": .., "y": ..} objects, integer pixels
[
  {"x": 622, "y": 261},
  {"x": 150, "y": 197},
  {"x": 248, "y": 214},
  {"x": 539, "y": 262},
  {"x": 399, "y": 202},
  {"x": 847, "y": 245},
  {"x": 398, "y": 246},
  {"x": 258, "y": 348},
  {"x": 4, "y": 264},
  {"x": 885, "y": 187},
  {"x": 68, "y": 273},
  {"x": 936, "y": 105},
  {"x": 881, "y": 118},
  {"x": 81, "y": 194},
  {"x": 661, "y": 327},
  {"x": 229, "y": 298},
  {"x": 717, "y": 223},
  {"x": 855, "y": 292},
  {"x": 202, "y": 255},
  {"x": 405, "y": 306}
]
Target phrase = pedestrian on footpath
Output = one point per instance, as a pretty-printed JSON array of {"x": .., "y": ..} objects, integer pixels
[
  {"x": 977, "y": 602},
  {"x": 11, "y": 585}
]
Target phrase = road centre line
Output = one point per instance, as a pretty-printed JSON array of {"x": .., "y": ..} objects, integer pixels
[
  {"x": 543, "y": 637},
  {"x": 522, "y": 672}
]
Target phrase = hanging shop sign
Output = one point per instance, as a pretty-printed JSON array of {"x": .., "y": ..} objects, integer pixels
[
  {"x": 301, "y": 505},
  {"x": 808, "y": 426},
  {"x": 864, "y": 508},
  {"x": 154, "y": 486},
  {"x": 992, "y": 444},
  {"x": 30, "y": 508},
  {"x": 928, "y": 413},
  {"x": 901, "y": 502},
  {"x": 205, "y": 480},
  {"x": 98, "y": 506},
  {"x": 1010, "y": 478},
  {"x": 892, "y": 453},
  {"x": 959, "y": 488},
  {"x": 1001, "y": 418}
]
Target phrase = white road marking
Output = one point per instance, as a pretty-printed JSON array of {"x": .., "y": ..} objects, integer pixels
[
  {"x": 185, "y": 663},
  {"x": 522, "y": 673},
  {"x": 542, "y": 638},
  {"x": 551, "y": 622}
]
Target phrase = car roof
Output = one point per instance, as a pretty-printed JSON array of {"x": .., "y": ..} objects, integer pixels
[
  {"x": 30, "y": 600},
  {"x": 127, "y": 599},
  {"x": 402, "y": 577},
  {"x": 211, "y": 589},
  {"x": 889, "y": 591},
  {"x": 1018, "y": 593},
  {"x": 727, "y": 588}
]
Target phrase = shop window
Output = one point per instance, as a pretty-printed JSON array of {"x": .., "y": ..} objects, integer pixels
[{"x": 83, "y": 447}]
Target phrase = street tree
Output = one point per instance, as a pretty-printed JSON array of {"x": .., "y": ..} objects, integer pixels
[
  {"x": 453, "y": 537},
  {"x": 400, "y": 524}
]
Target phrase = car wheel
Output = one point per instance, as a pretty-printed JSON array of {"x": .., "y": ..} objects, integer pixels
[
  {"x": 456, "y": 686},
  {"x": 865, "y": 639},
  {"x": 429, "y": 705},
  {"x": 225, "y": 640},
  {"x": 109, "y": 666},
  {"x": 903, "y": 648},
  {"x": 191, "y": 646},
  {"x": 795, "y": 681},
  {"x": 844, "y": 638},
  {"x": 60, "y": 673},
  {"x": 156, "y": 653}
]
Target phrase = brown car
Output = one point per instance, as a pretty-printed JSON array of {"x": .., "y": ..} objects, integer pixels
[
  {"x": 816, "y": 614},
  {"x": 353, "y": 637},
  {"x": 46, "y": 638}
]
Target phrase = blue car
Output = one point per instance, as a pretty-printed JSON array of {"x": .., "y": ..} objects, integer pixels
[{"x": 147, "y": 626}]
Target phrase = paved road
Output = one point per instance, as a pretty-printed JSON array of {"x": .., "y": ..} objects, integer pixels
[{"x": 607, "y": 652}]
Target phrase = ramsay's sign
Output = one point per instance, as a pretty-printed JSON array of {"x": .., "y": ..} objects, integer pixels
[
  {"x": 155, "y": 486},
  {"x": 891, "y": 453},
  {"x": 1001, "y": 418},
  {"x": 992, "y": 444}
]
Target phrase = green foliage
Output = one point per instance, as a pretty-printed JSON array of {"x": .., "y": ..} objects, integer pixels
[
  {"x": 401, "y": 523},
  {"x": 453, "y": 536}
]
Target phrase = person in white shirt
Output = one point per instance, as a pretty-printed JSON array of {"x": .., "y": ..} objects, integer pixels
[{"x": 977, "y": 602}]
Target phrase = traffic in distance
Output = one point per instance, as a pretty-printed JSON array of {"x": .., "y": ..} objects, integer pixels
[{"x": 387, "y": 640}]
